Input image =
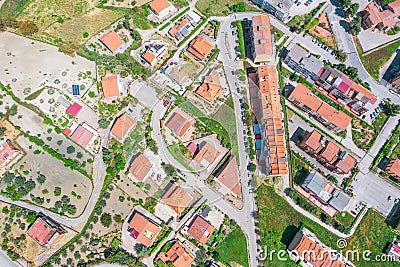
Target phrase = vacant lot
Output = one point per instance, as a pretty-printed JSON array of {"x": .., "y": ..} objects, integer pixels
[
  {"x": 279, "y": 223},
  {"x": 234, "y": 248},
  {"x": 220, "y": 8},
  {"x": 66, "y": 21},
  {"x": 375, "y": 60},
  {"x": 34, "y": 163},
  {"x": 31, "y": 65}
]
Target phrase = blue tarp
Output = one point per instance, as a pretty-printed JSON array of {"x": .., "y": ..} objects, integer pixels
[{"x": 75, "y": 89}]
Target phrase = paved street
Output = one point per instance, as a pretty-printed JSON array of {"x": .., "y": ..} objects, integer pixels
[{"x": 5, "y": 261}]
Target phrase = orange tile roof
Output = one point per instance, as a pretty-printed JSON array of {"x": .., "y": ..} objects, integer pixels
[
  {"x": 110, "y": 86},
  {"x": 200, "y": 229},
  {"x": 159, "y": 5},
  {"x": 112, "y": 41},
  {"x": 330, "y": 152},
  {"x": 207, "y": 152},
  {"x": 367, "y": 93},
  {"x": 262, "y": 38},
  {"x": 313, "y": 141},
  {"x": 315, "y": 254},
  {"x": 394, "y": 167},
  {"x": 122, "y": 126},
  {"x": 41, "y": 232},
  {"x": 395, "y": 6},
  {"x": 140, "y": 167},
  {"x": 8, "y": 153},
  {"x": 211, "y": 88},
  {"x": 149, "y": 57},
  {"x": 304, "y": 95},
  {"x": 178, "y": 124},
  {"x": 346, "y": 164},
  {"x": 272, "y": 115},
  {"x": 200, "y": 47},
  {"x": 144, "y": 231},
  {"x": 338, "y": 118},
  {"x": 228, "y": 175},
  {"x": 178, "y": 255},
  {"x": 176, "y": 198}
]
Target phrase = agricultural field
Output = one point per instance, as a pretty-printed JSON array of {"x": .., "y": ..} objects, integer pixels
[{"x": 67, "y": 21}]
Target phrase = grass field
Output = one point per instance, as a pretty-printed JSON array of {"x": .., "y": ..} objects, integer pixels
[
  {"x": 234, "y": 248},
  {"x": 240, "y": 33},
  {"x": 279, "y": 222},
  {"x": 219, "y": 8},
  {"x": 66, "y": 21},
  {"x": 176, "y": 153},
  {"x": 375, "y": 60}
]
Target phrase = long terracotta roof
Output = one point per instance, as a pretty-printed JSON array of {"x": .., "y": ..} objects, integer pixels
[
  {"x": 41, "y": 232},
  {"x": 330, "y": 152},
  {"x": 207, "y": 152},
  {"x": 346, "y": 164},
  {"x": 394, "y": 167},
  {"x": 82, "y": 136},
  {"x": 313, "y": 141},
  {"x": 229, "y": 176},
  {"x": 302, "y": 94},
  {"x": 262, "y": 37}
]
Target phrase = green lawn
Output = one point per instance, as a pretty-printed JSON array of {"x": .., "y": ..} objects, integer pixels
[
  {"x": 279, "y": 223},
  {"x": 375, "y": 60},
  {"x": 277, "y": 33},
  {"x": 234, "y": 248},
  {"x": 176, "y": 153},
  {"x": 380, "y": 121},
  {"x": 240, "y": 33},
  {"x": 221, "y": 7}
]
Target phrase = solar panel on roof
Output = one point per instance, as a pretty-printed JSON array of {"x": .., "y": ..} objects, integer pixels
[
  {"x": 75, "y": 89},
  {"x": 178, "y": 34},
  {"x": 184, "y": 32}
]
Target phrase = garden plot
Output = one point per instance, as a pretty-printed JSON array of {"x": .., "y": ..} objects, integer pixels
[
  {"x": 31, "y": 65},
  {"x": 35, "y": 163},
  {"x": 31, "y": 123}
]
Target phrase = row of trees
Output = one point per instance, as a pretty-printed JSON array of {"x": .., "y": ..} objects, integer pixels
[{"x": 350, "y": 10}]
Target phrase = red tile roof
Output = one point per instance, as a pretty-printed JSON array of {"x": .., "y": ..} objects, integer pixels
[
  {"x": 81, "y": 136},
  {"x": 346, "y": 164},
  {"x": 200, "y": 229},
  {"x": 262, "y": 37},
  {"x": 122, "y": 126},
  {"x": 178, "y": 255},
  {"x": 207, "y": 152},
  {"x": 110, "y": 86},
  {"x": 200, "y": 47},
  {"x": 74, "y": 109},
  {"x": 144, "y": 231},
  {"x": 176, "y": 198},
  {"x": 330, "y": 152},
  {"x": 8, "y": 153},
  {"x": 211, "y": 88},
  {"x": 41, "y": 232},
  {"x": 159, "y": 5},
  {"x": 112, "y": 41},
  {"x": 313, "y": 141},
  {"x": 228, "y": 175},
  {"x": 394, "y": 167},
  {"x": 140, "y": 167}
]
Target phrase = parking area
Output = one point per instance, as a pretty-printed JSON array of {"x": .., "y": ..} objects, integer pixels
[
  {"x": 375, "y": 191},
  {"x": 301, "y": 7}
]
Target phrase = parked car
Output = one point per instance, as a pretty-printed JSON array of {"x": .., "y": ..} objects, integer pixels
[
  {"x": 236, "y": 84},
  {"x": 389, "y": 198}
]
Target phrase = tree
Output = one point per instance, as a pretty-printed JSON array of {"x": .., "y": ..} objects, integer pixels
[
  {"x": 140, "y": 250},
  {"x": 391, "y": 109},
  {"x": 8, "y": 178},
  {"x": 19, "y": 181},
  {"x": 85, "y": 35},
  {"x": 201, "y": 257},
  {"x": 2, "y": 130},
  {"x": 103, "y": 123},
  {"x": 30, "y": 185},
  {"x": 41, "y": 179},
  {"x": 106, "y": 219},
  {"x": 57, "y": 191},
  {"x": 70, "y": 149},
  {"x": 355, "y": 25},
  {"x": 239, "y": 7},
  {"x": 341, "y": 55},
  {"x": 351, "y": 11}
]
